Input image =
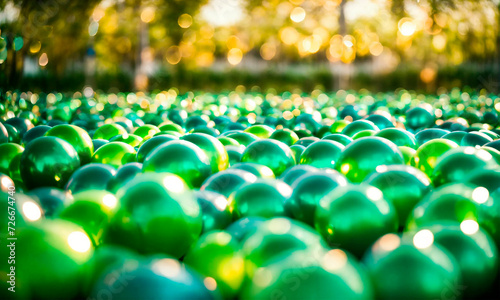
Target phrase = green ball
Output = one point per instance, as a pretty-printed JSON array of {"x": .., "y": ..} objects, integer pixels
[
  {"x": 48, "y": 161},
  {"x": 107, "y": 131},
  {"x": 263, "y": 198},
  {"x": 399, "y": 137},
  {"x": 322, "y": 154},
  {"x": 60, "y": 265},
  {"x": 309, "y": 276},
  {"x": 227, "y": 141},
  {"x": 364, "y": 133},
  {"x": 401, "y": 267},
  {"x": 130, "y": 139},
  {"x": 51, "y": 200},
  {"x": 403, "y": 186},
  {"x": 357, "y": 126},
  {"x": 159, "y": 278},
  {"x": 228, "y": 181},
  {"x": 181, "y": 158},
  {"x": 292, "y": 174},
  {"x": 427, "y": 155},
  {"x": 456, "y": 164},
  {"x": 244, "y": 138},
  {"x": 274, "y": 154},
  {"x": 13, "y": 134},
  {"x": 218, "y": 255},
  {"x": 354, "y": 216},
  {"x": 338, "y": 126},
  {"x": 261, "y": 131},
  {"x": 297, "y": 151},
  {"x": 234, "y": 153},
  {"x": 308, "y": 190},
  {"x": 475, "y": 138},
  {"x": 418, "y": 118},
  {"x": 34, "y": 133},
  {"x": 215, "y": 210},
  {"x": 408, "y": 154},
  {"x": 455, "y": 136},
  {"x": 285, "y": 135},
  {"x": 90, "y": 177},
  {"x": 213, "y": 148},
  {"x": 453, "y": 202},
  {"x": 474, "y": 251},
  {"x": 158, "y": 214},
  {"x": 146, "y": 131},
  {"x": 115, "y": 154},
  {"x": 276, "y": 238},
  {"x": 171, "y": 127},
  {"x": 362, "y": 157},
  {"x": 92, "y": 210},
  {"x": 338, "y": 137},
  {"x": 77, "y": 137},
  {"x": 7, "y": 153},
  {"x": 152, "y": 144}
]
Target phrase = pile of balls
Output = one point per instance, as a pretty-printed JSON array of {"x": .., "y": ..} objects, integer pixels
[{"x": 346, "y": 195}]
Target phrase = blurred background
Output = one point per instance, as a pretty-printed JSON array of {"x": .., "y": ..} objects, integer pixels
[{"x": 214, "y": 45}]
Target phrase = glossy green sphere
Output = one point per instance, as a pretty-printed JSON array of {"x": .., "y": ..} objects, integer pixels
[
  {"x": 310, "y": 276},
  {"x": 403, "y": 186},
  {"x": 228, "y": 181},
  {"x": 51, "y": 200},
  {"x": 48, "y": 161},
  {"x": 322, "y": 154},
  {"x": 285, "y": 135},
  {"x": 361, "y": 157},
  {"x": 338, "y": 126},
  {"x": 418, "y": 117},
  {"x": 77, "y": 137},
  {"x": 275, "y": 238},
  {"x": 455, "y": 136},
  {"x": 213, "y": 148},
  {"x": 215, "y": 210},
  {"x": 452, "y": 202},
  {"x": 429, "y": 134},
  {"x": 295, "y": 172},
  {"x": 456, "y": 164},
  {"x": 308, "y": 190},
  {"x": 399, "y": 137},
  {"x": 262, "y": 131},
  {"x": 90, "y": 177},
  {"x": 34, "y": 133},
  {"x": 244, "y": 138},
  {"x": 7, "y": 153},
  {"x": 146, "y": 131},
  {"x": 262, "y": 198},
  {"x": 274, "y": 154},
  {"x": 428, "y": 154},
  {"x": 181, "y": 158},
  {"x": 475, "y": 138},
  {"x": 227, "y": 141},
  {"x": 152, "y": 144},
  {"x": 416, "y": 269},
  {"x": 127, "y": 138},
  {"x": 474, "y": 251},
  {"x": 297, "y": 151},
  {"x": 62, "y": 251},
  {"x": 352, "y": 217},
  {"x": 408, "y": 154},
  {"x": 218, "y": 255},
  {"x": 114, "y": 154},
  {"x": 13, "y": 134},
  {"x": 92, "y": 210},
  {"x": 338, "y": 137},
  {"x": 353, "y": 128},
  {"x": 159, "y": 278},
  {"x": 158, "y": 214},
  {"x": 107, "y": 131}
]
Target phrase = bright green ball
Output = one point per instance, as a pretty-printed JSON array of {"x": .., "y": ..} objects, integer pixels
[
  {"x": 362, "y": 157},
  {"x": 274, "y": 154},
  {"x": 322, "y": 154},
  {"x": 77, "y": 137},
  {"x": 428, "y": 154},
  {"x": 115, "y": 154},
  {"x": 354, "y": 216},
  {"x": 181, "y": 158},
  {"x": 107, "y": 131},
  {"x": 48, "y": 161}
]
